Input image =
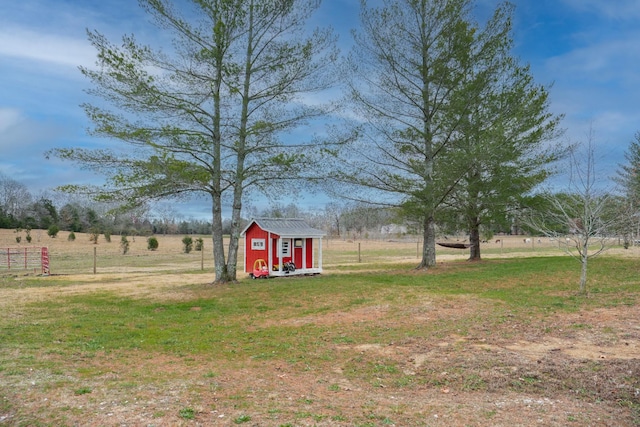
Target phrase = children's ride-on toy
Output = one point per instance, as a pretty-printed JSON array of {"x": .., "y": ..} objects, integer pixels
[
  {"x": 287, "y": 267},
  {"x": 260, "y": 270}
]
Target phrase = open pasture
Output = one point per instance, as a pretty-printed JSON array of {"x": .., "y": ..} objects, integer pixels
[
  {"x": 148, "y": 340},
  {"x": 77, "y": 257}
]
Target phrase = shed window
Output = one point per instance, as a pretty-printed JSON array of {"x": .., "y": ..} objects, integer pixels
[
  {"x": 258, "y": 244},
  {"x": 286, "y": 247}
]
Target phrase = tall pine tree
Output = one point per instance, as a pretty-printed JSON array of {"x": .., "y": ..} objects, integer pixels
[{"x": 207, "y": 116}]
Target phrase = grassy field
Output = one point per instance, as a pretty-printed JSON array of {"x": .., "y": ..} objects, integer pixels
[{"x": 372, "y": 342}]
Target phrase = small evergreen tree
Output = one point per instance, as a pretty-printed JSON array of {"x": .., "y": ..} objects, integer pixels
[
  {"x": 628, "y": 179},
  {"x": 152, "y": 243},
  {"x": 187, "y": 241},
  {"x": 53, "y": 230},
  {"x": 124, "y": 245},
  {"x": 71, "y": 237},
  {"x": 199, "y": 244}
]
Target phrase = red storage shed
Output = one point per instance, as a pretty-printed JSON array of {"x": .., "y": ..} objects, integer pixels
[{"x": 282, "y": 247}]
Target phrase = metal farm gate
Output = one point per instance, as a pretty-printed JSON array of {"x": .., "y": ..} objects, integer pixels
[{"x": 23, "y": 259}]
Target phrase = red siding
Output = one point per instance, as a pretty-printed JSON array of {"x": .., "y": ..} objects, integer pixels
[
  {"x": 255, "y": 232},
  {"x": 274, "y": 251},
  {"x": 252, "y": 254},
  {"x": 309, "y": 254},
  {"x": 297, "y": 257}
]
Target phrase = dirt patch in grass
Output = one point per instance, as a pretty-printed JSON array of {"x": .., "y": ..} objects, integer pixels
[{"x": 568, "y": 369}]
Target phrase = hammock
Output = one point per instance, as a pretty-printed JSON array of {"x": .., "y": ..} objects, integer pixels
[{"x": 455, "y": 245}]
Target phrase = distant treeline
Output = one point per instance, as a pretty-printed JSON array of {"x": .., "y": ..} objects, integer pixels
[
  {"x": 43, "y": 214},
  {"x": 20, "y": 210}
]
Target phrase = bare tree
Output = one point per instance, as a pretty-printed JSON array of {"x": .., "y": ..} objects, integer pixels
[
  {"x": 166, "y": 216},
  {"x": 332, "y": 212},
  {"x": 14, "y": 197},
  {"x": 578, "y": 218}
]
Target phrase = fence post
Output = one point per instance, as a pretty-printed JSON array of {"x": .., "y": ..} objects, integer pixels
[
  {"x": 95, "y": 252},
  {"x": 44, "y": 259}
]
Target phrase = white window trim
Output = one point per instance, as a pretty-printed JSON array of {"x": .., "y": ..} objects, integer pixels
[
  {"x": 258, "y": 244},
  {"x": 285, "y": 248}
]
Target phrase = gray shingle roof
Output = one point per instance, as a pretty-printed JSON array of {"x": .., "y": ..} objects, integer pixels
[{"x": 287, "y": 227}]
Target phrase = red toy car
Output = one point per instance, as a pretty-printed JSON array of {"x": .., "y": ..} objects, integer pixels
[{"x": 260, "y": 269}]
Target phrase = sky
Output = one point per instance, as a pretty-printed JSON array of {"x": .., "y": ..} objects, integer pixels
[{"x": 587, "y": 50}]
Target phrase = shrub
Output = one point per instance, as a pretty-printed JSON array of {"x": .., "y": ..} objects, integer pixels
[
  {"x": 18, "y": 239},
  {"x": 107, "y": 236},
  {"x": 187, "y": 241},
  {"x": 124, "y": 245},
  {"x": 53, "y": 231},
  {"x": 72, "y": 236},
  {"x": 199, "y": 244},
  {"x": 152, "y": 243}
]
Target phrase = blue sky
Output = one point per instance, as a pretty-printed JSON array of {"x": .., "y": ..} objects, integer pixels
[{"x": 588, "y": 49}]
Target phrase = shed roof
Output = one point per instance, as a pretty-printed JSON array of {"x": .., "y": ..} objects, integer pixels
[{"x": 286, "y": 227}]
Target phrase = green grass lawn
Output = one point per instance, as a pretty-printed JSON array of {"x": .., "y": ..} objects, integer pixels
[{"x": 207, "y": 315}]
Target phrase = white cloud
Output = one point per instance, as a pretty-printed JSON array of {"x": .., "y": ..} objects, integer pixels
[
  {"x": 9, "y": 117},
  {"x": 618, "y": 9},
  {"x": 23, "y": 142},
  {"x": 20, "y": 136},
  {"x": 45, "y": 47},
  {"x": 614, "y": 58}
]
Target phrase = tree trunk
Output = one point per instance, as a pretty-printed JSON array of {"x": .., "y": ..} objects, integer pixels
[
  {"x": 220, "y": 266},
  {"x": 428, "y": 243},
  {"x": 474, "y": 239},
  {"x": 232, "y": 263},
  {"x": 584, "y": 258},
  {"x": 238, "y": 187},
  {"x": 217, "y": 236}
]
